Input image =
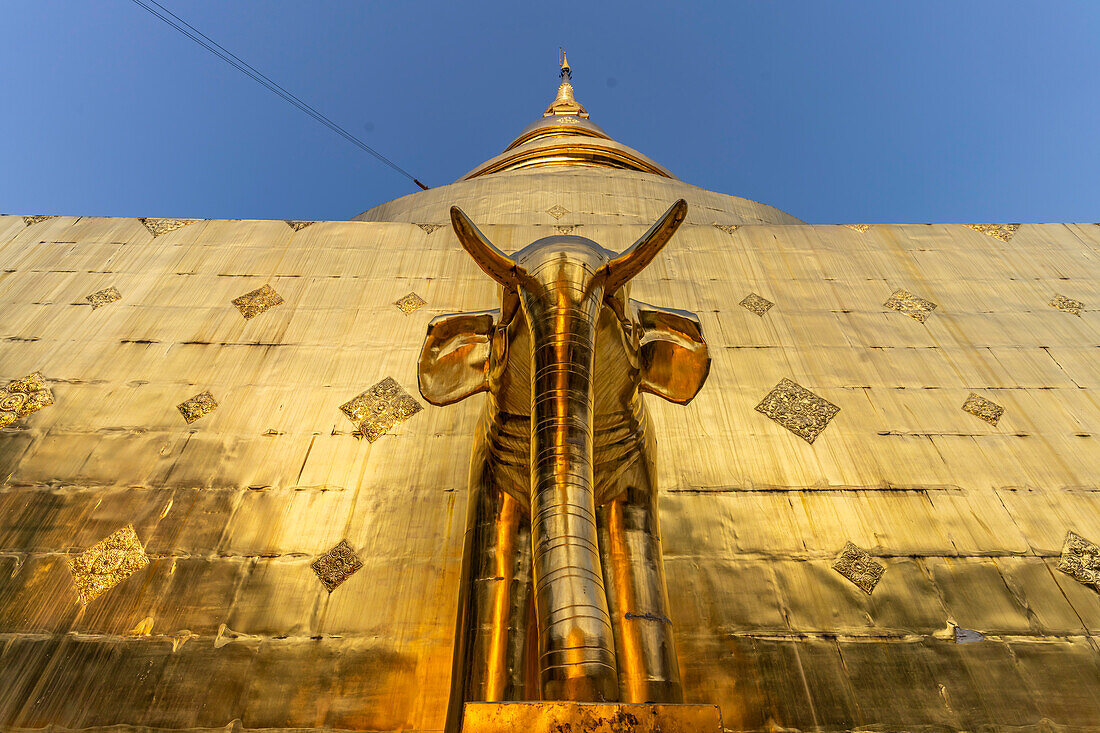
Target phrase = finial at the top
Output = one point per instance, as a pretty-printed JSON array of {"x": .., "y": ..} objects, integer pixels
[{"x": 564, "y": 103}]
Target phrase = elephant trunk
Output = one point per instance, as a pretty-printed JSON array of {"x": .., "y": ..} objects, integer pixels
[{"x": 576, "y": 642}]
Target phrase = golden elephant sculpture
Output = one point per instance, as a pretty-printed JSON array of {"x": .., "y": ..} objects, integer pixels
[{"x": 562, "y": 591}]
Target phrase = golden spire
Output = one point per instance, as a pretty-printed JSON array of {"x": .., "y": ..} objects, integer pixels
[{"x": 565, "y": 103}]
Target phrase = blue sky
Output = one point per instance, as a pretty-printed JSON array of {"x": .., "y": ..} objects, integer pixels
[{"x": 833, "y": 111}]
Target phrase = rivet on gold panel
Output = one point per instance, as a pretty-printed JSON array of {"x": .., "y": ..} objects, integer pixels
[
  {"x": 409, "y": 303},
  {"x": 336, "y": 565},
  {"x": 1069, "y": 305},
  {"x": 158, "y": 227},
  {"x": 380, "y": 408},
  {"x": 911, "y": 305},
  {"x": 1081, "y": 559},
  {"x": 100, "y": 298},
  {"x": 107, "y": 563},
  {"x": 982, "y": 408},
  {"x": 798, "y": 409},
  {"x": 23, "y": 397},
  {"x": 255, "y": 302},
  {"x": 756, "y": 304},
  {"x": 857, "y": 565},
  {"x": 194, "y": 408},
  {"x": 1002, "y": 232}
]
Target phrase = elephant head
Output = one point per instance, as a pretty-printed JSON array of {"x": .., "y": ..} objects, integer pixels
[{"x": 566, "y": 346}]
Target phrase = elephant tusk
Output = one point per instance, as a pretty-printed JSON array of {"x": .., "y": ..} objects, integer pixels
[
  {"x": 491, "y": 260},
  {"x": 634, "y": 259}
]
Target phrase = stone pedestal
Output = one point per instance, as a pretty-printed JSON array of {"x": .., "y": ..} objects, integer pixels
[{"x": 580, "y": 717}]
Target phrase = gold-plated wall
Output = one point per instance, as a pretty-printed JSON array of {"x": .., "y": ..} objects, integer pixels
[{"x": 228, "y": 621}]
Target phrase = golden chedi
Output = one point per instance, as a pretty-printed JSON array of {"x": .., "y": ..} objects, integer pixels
[{"x": 568, "y": 444}]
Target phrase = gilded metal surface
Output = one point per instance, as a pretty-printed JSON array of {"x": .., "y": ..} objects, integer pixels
[
  {"x": 429, "y": 228},
  {"x": 195, "y": 407},
  {"x": 28, "y": 220},
  {"x": 557, "y": 211},
  {"x": 106, "y": 564},
  {"x": 298, "y": 225},
  {"x": 102, "y": 297},
  {"x": 798, "y": 409},
  {"x": 162, "y": 226},
  {"x": 727, "y": 228},
  {"x": 410, "y": 303},
  {"x": 972, "y": 520},
  {"x": 560, "y": 717},
  {"x": 911, "y": 305},
  {"x": 857, "y": 565},
  {"x": 228, "y": 626},
  {"x": 1002, "y": 232},
  {"x": 255, "y": 302},
  {"x": 861, "y": 228},
  {"x": 567, "y": 228},
  {"x": 983, "y": 408},
  {"x": 1081, "y": 559},
  {"x": 1069, "y": 305},
  {"x": 336, "y": 565},
  {"x": 756, "y": 304},
  {"x": 383, "y": 406},
  {"x": 567, "y": 352}
]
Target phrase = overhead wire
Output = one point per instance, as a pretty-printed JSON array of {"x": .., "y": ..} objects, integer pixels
[{"x": 181, "y": 25}]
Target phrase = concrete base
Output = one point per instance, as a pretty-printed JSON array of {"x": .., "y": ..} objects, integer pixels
[{"x": 587, "y": 717}]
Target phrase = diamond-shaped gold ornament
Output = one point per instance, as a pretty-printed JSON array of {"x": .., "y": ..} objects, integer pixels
[
  {"x": 22, "y": 397},
  {"x": 980, "y": 407},
  {"x": 100, "y": 298},
  {"x": 28, "y": 220},
  {"x": 557, "y": 211},
  {"x": 298, "y": 225},
  {"x": 197, "y": 406},
  {"x": 429, "y": 228},
  {"x": 380, "y": 408},
  {"x": 756, "y": 304},
  {"x": 1002, "y": 232},
  {"x": 911, "y": 305},
  {"x": 1069, "y": 305},
  {"x": 727, "y": 228},
  {"x": 861, "y": 228},
  {"x": 857, "y": 565},
  {"x": 798, "y": 409},
  {"x": 255, "y": 302},
  {"x": 336, "y": 565},
  {"x": 1081, "y": 559},
  {"x": 107, "y": 563},
  {"x": 409, "y": 303},
  {"x": 162, "y": 226}
]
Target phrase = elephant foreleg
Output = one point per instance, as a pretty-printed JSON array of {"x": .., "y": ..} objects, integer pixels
[
  {"x": 630, "y": 548},
  {"x": 491, "y": 638}
]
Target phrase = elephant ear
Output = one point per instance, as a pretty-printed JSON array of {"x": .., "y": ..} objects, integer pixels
[
  {"x": 673, "y": 357},
  {"x": 454, "y": 362}
]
